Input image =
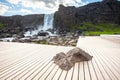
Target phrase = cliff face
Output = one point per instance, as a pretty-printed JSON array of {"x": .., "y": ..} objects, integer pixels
[
  {"x": 107, "y": 11},
  {"x": 19, "y": 24}
]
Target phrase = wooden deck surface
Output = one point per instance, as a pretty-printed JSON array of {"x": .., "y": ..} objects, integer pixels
[{"x": 22, "y": 61}]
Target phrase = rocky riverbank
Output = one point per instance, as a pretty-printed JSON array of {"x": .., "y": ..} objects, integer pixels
[{"x": 51, "y": 40}]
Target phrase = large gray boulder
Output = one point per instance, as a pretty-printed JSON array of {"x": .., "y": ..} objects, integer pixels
[{"x": 67, "y": 61}]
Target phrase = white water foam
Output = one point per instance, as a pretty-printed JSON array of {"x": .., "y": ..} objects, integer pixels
[{"x": 48, "y": 24}]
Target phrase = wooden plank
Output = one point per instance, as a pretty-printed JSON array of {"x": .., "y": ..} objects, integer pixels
[
  {"x": 109, "y": 67},
  {"x": 114, "y": 64},
  {"x": 27, "y": 71},
  {"x": 63, "y": 75},
  {"x": 95, "y": 70},
  {"x": 36, "y": 71},
  {"x": 57, "y": 75},
  {"x": 69, "y": 74},
  {"x": 52, "y": 74},
  {"x": 92, "y": 71},
  {"x": 86, "y": 71},
  {"x": 34, "y": 64},
  {"x": 28, "y": 64},
  {"x": 76, "y": 72},
  {"x": 81, "y": 71},
  {"x": 41, "y": 73},
  {"x": 16, "y": 57},
  {"x": 6, "y": 74},
  {"x": 102, "y": 67},
  {"x": 47, "y": 72}
]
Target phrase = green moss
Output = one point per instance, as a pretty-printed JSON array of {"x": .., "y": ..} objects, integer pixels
[{"x": 2, "y": 26}]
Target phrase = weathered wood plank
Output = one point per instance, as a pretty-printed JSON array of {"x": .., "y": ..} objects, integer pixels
[{"x": 21, "y": 61}]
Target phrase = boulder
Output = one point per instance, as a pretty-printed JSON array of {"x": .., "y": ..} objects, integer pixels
[
  {"x": 65, "y": 64},
  {"x": 43, "y": 33},
  {"x": 67, "y": 61},
  {"x": 58, "y": 57},
  {"x": 77, "y": 55},
  {"x": 61, "y": 60}
]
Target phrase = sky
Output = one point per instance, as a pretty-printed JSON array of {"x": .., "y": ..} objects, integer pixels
[{"x": 25, "y": 7}]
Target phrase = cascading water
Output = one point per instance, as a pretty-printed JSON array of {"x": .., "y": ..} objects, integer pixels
[
  {"x": 48, "y": 21},
  {"x": 48, "y": 24}
]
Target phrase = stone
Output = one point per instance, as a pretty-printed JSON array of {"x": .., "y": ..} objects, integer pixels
[
  {"x": 58, "y": 57},
  {"x": 65, "y": 64},
  {"x": 67, "y": 61},
  {"x": 77, "y": 55},
  {"x": 61, "y": 60},
  {"x": 43, "y": 33}
]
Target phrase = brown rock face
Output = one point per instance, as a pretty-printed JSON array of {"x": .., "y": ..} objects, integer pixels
[{"x": 67, "y": 61}]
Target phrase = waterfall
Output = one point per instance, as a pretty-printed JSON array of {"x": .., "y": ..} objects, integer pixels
[
  {"x": 48, "y": 21},
  {"x": 48, "y": 24}
]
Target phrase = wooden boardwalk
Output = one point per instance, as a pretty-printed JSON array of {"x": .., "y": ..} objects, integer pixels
[
  {"x": 22, "y": 61},
  {"x": 113, "y": 38}
]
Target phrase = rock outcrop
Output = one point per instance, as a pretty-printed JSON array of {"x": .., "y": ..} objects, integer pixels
[
  {"x": 19, "y": 24},
  {"x": 67, "y": 61},
  {"x": 106, "y": 11}
]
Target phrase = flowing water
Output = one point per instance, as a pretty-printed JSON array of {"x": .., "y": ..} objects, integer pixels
[{"x": 48, "y": 24}]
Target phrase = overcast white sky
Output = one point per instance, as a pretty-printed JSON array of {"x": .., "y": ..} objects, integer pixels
[{"x": 24, "y": 7}]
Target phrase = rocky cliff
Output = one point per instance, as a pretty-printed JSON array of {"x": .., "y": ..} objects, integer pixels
[
  {"x": 106, "y": 11},
  {"x": 66, "y": 18},
  {"x": 19, "y": 24}
]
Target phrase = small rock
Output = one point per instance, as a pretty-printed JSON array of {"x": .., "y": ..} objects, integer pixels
[
  {"x": 58, "y": 57},
  {"x": 77, "y": 55},
  {"x": 67, "y": 61},
  {"x": 61, "y": 60},
  {"x": 65, "y": 64}
]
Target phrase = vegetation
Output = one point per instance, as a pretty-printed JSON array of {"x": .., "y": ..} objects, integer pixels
[
  {"x": 2, "y": 26},
  {"x": 91, "y": 29},
  {"x": 41, "y": 42}
]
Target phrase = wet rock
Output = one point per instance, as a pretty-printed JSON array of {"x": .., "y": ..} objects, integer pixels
[
  {"x": 18, "y": 36},
  {"x": 43, "y": 33},
  {"x": 34, "y": 37},
  {"x": 67, "y": 61}
]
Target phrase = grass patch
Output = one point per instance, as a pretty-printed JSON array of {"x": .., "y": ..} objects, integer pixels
[
  {"x": 97, "y": 33},
  {"x": 91, "y": 29}
]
